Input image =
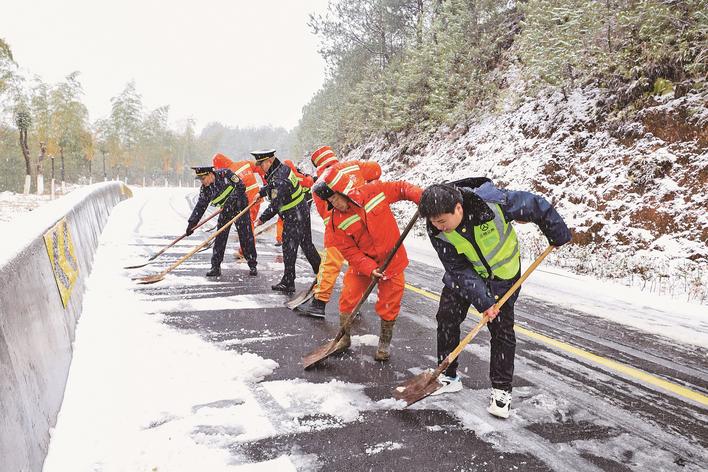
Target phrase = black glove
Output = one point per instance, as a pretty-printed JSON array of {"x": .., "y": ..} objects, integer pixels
[
  {"x": 190, "y": 229},
  {"x": 263, "y": 192}
]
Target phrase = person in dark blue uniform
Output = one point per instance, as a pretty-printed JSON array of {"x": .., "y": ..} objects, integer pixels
[
  {"x": 223, "y": 188},
  {"x": 287, "y": 199},
  {"x": 469, "y": 223}
]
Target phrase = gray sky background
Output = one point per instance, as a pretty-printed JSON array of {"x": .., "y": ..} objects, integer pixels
[{"x": 242, "y": 63}]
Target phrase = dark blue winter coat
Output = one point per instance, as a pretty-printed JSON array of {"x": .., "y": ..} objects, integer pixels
[
  {"x": 519, "y": 206},
  {"x": 224, "y": 178},
  {"x": 280, "y": 189}
]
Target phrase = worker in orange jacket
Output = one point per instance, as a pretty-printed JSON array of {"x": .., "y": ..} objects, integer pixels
[
  {"x": 361, "y": 172},
  {"x": 365, "y": 231},
  {"x": 246, "y": 172}
]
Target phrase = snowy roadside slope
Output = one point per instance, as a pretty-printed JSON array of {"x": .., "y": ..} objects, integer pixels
[{"x": 635, "y": 195}]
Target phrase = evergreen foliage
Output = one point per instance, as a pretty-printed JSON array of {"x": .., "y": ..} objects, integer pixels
[{"x": 398, "y": 65}]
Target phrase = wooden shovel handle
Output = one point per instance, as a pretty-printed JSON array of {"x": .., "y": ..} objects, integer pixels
[
  {"x": 185, "y": 235},
  {"x": 209, "y": 239},
  {"x": 387, "y": 261},
  {"x": 453, "y": 355}
]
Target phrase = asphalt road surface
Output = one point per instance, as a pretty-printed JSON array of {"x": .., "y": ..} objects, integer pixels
[{"x": 589, "y": 394}]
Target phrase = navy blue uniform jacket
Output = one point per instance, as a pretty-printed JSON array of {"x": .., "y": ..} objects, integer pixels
[
  {"x": 520, "y": 206},
  {"x": 237, "y": 199},
  {"x": 279, "y": 190}
]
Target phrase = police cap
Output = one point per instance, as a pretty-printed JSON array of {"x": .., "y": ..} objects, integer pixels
[
  {"x": 202, "y": 170},
  {"x": 263, "y": 154}
]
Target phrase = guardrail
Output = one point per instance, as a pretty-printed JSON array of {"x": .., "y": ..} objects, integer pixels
[{"x": 45, "y": 257}]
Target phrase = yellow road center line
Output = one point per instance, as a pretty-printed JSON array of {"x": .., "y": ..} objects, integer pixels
[{"x": 603, "y": 361}]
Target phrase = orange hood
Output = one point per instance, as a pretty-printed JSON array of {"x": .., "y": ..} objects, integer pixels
[{"x": 221, "y": 162}]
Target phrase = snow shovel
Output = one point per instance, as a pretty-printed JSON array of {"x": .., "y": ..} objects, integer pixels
[
  {"x": 325, "y": 351},
  {"x": 302, "y": 297},
  {"x": 427, "y": 382},
  {"x": 151, "y": 279},
  {"x": 172, "y": 243},
  {"x": 264, "y": 227}
]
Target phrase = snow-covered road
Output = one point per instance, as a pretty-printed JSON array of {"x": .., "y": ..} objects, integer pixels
[{"x": 193, "y": 374}]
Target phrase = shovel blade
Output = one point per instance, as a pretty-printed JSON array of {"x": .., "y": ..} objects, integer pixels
[
  {"x": 137, "y": 266},
  {"x": 319, "y": 354},
  {"x": 151, "y": 279},
  {"x": 206, "y": 248},
  {"x": 301, "y": 297},
  {"x": 417, "y": 388}
]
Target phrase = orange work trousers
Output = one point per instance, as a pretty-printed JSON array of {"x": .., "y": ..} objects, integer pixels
[
  {"x": 329, "y": 271},
  {"x": 279, "y": 231},
  {"x": 390, "y": 293}
]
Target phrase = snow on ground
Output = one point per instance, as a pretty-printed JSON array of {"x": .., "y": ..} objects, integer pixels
[
  {"x": 145, "y": 388},
  {"x": 339, "y": 400},
  {"x": 145, "y": 385},
  {"x": 11, "y": 204}
]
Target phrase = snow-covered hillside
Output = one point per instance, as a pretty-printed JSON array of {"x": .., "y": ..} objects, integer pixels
[{"x": 634, "y": 190}]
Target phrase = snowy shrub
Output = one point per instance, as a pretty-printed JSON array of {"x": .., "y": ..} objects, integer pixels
[{"x": 645, "y": 169}]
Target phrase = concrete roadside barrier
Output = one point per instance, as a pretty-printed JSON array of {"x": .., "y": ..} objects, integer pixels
[{"x": 45, "y": 257}]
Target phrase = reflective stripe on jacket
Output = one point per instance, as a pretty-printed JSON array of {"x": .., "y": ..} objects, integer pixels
[
  {"x": 368, "y": 230},
  {"x": 361, "y": 172},
  {"x": 226, "y": 186},
  {"x": 296, "y": 196},
  {"x": 284, "y": 190},
  {"x": 497, "y": 247},
  {"x": 482, "y": 204}
]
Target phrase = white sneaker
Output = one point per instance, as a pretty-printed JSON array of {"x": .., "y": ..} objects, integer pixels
[
  {"x": 500, "y": 403},
  {"x": 450, "y": 384}
]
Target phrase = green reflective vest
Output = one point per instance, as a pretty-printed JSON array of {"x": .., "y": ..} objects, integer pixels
[
  {"x": 221, "y": 198},
  {"x": 297, "y": 196},
  {"x": 497, "y": 243}
]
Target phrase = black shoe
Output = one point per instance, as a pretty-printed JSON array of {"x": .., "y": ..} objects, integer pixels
[
  {"x": 278, "y": 244},
  {"x": 282, "y": 287},
  {"x": 253, "y": 272},
  {"x": 214, "y": 272},
  {"x": 314, "y": 308}
]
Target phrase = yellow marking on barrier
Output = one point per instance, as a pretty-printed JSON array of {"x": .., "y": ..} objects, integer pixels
[
  {"x": 603, "y": 361},
  {"x": 62, "y": 258}
]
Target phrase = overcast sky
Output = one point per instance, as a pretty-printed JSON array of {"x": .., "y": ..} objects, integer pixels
[{"x": 240, "y": 62}]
